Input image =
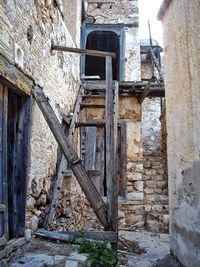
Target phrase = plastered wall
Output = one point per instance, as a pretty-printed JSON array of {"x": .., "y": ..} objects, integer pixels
[{"x": 181, "y": 24}]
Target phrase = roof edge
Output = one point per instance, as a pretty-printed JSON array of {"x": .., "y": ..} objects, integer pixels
[{"x": 164, "y": 6}]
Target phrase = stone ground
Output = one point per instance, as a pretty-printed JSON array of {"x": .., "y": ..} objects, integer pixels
[
  {"x": 152, "y": 250},
  {"x": 43, "y": 253},
  {"x": 156, "y": 247}
]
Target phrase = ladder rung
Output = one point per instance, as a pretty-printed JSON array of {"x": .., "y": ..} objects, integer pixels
[
  {"x": 92, "y": 105},
  {"x": 90, "y": 123},
  {"x": 93, "y": 96}
]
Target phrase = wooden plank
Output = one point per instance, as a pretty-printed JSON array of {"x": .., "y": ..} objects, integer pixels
[
  {"x": 11, "y": 246},
  {"x": 63, "y": 163},
  {"x": 100, "y": 158},
  {"x": 67, "y": 236},
  {"x": 123, "y": 162},
  {"x": 13, "y": 77},
  {"x": 79, "y": 171},
  {"x": 90, "y": 123},
  {"x": 87, "y": 52},
  {"x": 111, "y": 135},
  {"x": 93, "y": 96},
  {"x": 90, "y": 148},
  {"x": 85, "y": 105},
  {"x": 95, "y": 176}
]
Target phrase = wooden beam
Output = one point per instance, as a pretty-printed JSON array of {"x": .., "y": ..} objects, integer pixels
[
  {"x": 67, "y": 236},
  {"x": 111, "y": 135},
  {"x": 14, "y": 78},
  {"x": 91, "y": 123},
  {"x": 63, "y": 164},
  {"x": 79, "y": 171},
  {"x": 87, "y": 52},
  {"x": 87, "y": 105}
]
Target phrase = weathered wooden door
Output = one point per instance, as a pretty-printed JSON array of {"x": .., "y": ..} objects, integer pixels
[
  {"x": 3, "y": 167},
  {"x": 14, "y": 146}
]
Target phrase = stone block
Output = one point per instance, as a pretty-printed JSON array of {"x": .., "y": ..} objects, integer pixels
[
  {"x": 135, "y": 196},
  {"x": 151, "y": 184},
  {"x": 148, "y": 190},
  {"x": 150, "y": 172},
  {"x": 138, "y": 185},
  {"x": 134, "y": 176},
  {"x": 162, "y": 184},
  {"x": 129, "y": 188},
  {"x": 148, "y": 208},
  {"x": 160, "y": 171},
  {"x": 139, "y": 167},
  {"x": 131, "y": 219},
  {"x": 165, "y": 219},
  {"x": 157, "y": 208}
]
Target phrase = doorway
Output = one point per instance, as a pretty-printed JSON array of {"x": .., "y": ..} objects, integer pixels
[
  {"x": 102, "y": 41},
  {"x": 15, "y": 129},
  {"x": 103, "y": 37}
]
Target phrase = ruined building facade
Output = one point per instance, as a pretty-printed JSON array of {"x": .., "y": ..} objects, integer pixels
[{"x": 29, "y": 152}]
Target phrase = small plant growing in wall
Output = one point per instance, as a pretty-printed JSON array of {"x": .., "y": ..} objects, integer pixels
[{"x": 99, "y": 253}]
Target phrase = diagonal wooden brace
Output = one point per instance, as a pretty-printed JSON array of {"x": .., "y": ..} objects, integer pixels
[{"x": 78, "y": 169}]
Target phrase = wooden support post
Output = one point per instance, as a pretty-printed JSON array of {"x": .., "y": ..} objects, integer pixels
[
  {"x": 111, "y": 137},
  {"x": 79, "y": 171}
]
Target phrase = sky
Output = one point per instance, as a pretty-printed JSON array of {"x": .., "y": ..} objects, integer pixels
[{"x": 148, "y": 11}]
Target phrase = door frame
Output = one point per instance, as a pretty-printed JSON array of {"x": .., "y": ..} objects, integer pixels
[{"x": 119, "y": 29}]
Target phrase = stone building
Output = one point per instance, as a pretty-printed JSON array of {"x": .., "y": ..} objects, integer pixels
[
  {"x": 181, "y": 30},
  {"x": 30, "y": 154}
]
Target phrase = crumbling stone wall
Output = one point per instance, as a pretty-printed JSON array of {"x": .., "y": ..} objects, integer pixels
[
  {"x": 31, "y": 27},
  {"x": 155, "y": 166},
  {"x": 181, "y": 31},
  {"x": 126, "y": 12}
]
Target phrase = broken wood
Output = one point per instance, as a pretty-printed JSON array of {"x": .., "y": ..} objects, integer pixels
[
  {"x": 87, "y": 52},
  {"x": 67, "y": 236},
  {"x": 79, "y": 171}
]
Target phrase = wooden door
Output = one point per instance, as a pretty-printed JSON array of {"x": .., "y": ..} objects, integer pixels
[
  {"x": 18, "y": 123},
  {"x": 3, "y": 167}
]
